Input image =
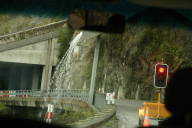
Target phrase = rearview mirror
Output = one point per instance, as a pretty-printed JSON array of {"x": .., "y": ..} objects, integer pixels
[{"x": 96, "y": 21}]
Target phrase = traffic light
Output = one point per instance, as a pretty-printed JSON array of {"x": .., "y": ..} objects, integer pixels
[{"x": 161, "y": 75}]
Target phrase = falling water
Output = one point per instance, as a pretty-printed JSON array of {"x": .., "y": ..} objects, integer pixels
[{"x": 58, "y": 80}]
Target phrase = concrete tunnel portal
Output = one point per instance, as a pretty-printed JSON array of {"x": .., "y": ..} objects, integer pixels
[{"x": 18, "y": 76}]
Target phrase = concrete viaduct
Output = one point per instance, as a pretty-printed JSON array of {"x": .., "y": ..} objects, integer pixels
[{"x": 28, "y": 57}]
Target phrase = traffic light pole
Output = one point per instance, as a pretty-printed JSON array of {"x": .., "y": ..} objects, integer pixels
[{"x": 158, "y": 102}]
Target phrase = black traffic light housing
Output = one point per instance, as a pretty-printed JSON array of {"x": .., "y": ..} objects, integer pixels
[{"x": 161, "y": 75}]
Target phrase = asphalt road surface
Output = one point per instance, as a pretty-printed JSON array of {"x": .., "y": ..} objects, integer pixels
[{"x": 127, "y": 113}]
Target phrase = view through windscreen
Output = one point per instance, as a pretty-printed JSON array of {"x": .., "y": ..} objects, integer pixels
[{"x": 52, "y": 73}]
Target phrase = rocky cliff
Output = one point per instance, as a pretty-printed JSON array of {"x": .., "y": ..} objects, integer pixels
[{"x": 126, "y": 61}]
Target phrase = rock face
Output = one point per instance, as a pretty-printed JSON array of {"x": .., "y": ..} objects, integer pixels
[{"x": 126, "y": 61}]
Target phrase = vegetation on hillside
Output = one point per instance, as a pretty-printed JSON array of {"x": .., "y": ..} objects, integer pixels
[
  {"x": 4, "y": 110},
  {"x": 71, "y": 116},
  {"x": 127, "y": 60},
  {"x": 64, "y": 39}
]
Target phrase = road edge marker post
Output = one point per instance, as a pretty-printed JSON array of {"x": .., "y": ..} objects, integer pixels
[
  {"x": 108, "y": 98},
  {"x": 49, "y": 114},
  {"x": 113, "y": 98}
]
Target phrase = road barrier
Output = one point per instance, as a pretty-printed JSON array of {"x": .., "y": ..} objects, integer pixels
[
  {"x": 76, "y": 94},
  {"x": 7, "y": 93},
  {"x": 31, "y": 32},
  {"x": 49, "y": 114},
  {"x": 110, "y": 98},
  {"x": 12, "y": 94}
]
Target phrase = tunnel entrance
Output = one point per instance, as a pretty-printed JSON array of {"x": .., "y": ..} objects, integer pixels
[{"x": 17, "y": 76}]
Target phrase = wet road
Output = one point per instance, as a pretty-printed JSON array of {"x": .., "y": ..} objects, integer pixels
[{"x": 127, "y": 113}]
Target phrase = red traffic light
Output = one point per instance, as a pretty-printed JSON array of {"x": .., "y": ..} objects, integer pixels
[
  {"x": 161, "y": 75},
  {"x": 161, "y": 70}
]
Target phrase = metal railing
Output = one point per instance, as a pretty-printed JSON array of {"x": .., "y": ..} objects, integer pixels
[
  {"x": 97, "y": 120},
  {"x": 77, "y": 94},
  {"x": 31, "y": 32}
]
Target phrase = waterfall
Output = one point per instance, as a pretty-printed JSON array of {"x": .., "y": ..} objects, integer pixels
[{"x": 59, "y": 80}]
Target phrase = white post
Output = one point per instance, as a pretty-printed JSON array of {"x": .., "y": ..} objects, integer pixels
[
  {"x": 108, "y": 98},
  {"x": 49, "y": 114},
  {"x": 113, "y": 98}
]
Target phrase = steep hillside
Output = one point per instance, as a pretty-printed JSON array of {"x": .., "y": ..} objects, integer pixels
[{"x": 126, "y": 61}]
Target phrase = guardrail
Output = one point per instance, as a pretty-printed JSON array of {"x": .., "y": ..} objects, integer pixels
[
  {"x": 28, "y": 41},
  {"x": 76, "y": 94},
  {"x": 31, "y": 32}
]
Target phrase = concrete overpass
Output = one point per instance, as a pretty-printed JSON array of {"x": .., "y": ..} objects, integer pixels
[{"x": 29, "y": 56}]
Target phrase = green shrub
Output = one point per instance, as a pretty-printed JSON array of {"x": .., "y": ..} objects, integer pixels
[
  {"x": 4, "y": 110},
  {"x": 65, "y": 37}
]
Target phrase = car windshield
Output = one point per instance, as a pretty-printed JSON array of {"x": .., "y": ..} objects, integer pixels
[{"x": 53, "y": 73}]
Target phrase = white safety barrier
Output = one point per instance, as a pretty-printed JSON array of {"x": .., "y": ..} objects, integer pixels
[
  {"x": 15, "y": 93},
  {"x": 12, "y": 94},
  {"x": 7, "y": 93},
  {"x": 110, "y": 98},
  {"x": 77, "y": 94},
  {"x": 49, "y": 114},
  {"x": 113, "y": 98}
]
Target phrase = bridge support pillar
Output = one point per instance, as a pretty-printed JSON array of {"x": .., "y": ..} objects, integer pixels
[
  {"x": 94, "y": 72},
  {"x": 47, "y": 69}
]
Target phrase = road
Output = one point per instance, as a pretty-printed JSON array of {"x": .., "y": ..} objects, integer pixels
[{"x": 127, "y": 113}]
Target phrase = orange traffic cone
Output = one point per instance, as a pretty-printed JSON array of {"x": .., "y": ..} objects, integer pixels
[{"x": 146, "y": 122}]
